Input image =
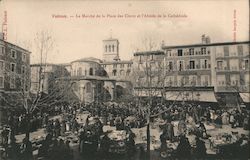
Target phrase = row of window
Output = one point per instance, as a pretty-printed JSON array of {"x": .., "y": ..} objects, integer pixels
[
  {"x": 232, "y": 83},
  {"x": 121, "y": 73},
  {"x": 13, "y": 53},
  {"x": 227, "y": 52},
  {"x": 79, "y": 72},
  {"x": 233, "y": 80},
  {"x": 188, "y": 81},
  {"x": 233, "y": 65},
  {"x": 119, "y": 65},
  {"x": 110, "y": 48},
  {"x": 180, "y": 80},
  {"x": 12, "y": 67},
  {"x": 12, "y": 82},
  {"x": 191, "y": 51},
  {"x": 203, "y": 51},
  {"x": 192, "y": 64}
]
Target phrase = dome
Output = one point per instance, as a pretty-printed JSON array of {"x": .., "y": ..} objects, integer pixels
[{"x": 89, "y": 59}]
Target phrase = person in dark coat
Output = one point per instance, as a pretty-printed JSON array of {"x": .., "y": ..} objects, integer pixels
[
  {"x": 200, "y": 149},
  {"x": 68, "y": 155},
  {"x": 163, "y": 140},
  {"x": 104, "y": 146},
  {"x": 202, "y": 130},
  {"x": 54, "y": 153},
  {"x": 4, "y": 136},
  {"x": 63, "y": 128},
  {"x": 26, "y": 150},
  {"x": 130, "y": 143},
  {"x": 184, "y": 148},
  {"x": 13, "y": 151},
  {"x": 170, "y": 131},
  {"x": 82, "y": 138},
  {"x": 57, "y": 128}
]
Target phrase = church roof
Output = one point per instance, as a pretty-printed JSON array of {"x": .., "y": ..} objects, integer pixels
[
  {"x": 89, "y": 59},
  {"x": 110, "y": 39}
]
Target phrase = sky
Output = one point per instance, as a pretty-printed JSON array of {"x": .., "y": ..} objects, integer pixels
[{"x": 76, "y": 38}]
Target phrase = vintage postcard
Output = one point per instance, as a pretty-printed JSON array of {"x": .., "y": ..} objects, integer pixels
[{"x": 123, "y": 79}]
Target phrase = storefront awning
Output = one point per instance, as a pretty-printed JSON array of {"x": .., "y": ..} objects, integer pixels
[
  {"x": 147, "y": 93},
  {"x": 245, "y": 97},
  {"x": 207, "y": 96},
  {"x": 203, "y": 96}
]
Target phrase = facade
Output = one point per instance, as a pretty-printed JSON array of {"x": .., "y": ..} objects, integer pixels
[
  {"x": 90, "y": 79},
  {"x": 14, "y": 73},
  {"x": 117, "y": 69},
  {"x": 46, "y": 75},
  {"x": 205, "y": 68},
  {"x": 14, "y": 67},
  {"x": 206, "y": 72},
  {"x": 83, "y": 80},
  {"x": 110, "y": 50}
]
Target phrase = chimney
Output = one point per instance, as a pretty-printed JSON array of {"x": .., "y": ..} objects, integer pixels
[
  {"x": 203, "y": 39},
  {"x": 162, "y": 44},
  {"x": 208, "y": 40},
  {"x": 1, "y": 36}
]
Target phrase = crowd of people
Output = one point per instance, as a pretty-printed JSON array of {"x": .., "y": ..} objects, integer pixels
[{"x": 113, "y": 114}]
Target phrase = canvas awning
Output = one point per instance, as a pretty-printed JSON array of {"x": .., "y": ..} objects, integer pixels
[
  {"x": 147, "y": 93},
  {"x": 245, "y": 97},
  {"x": 207, "y": 96},
  {"x": 203, "y": 96}
]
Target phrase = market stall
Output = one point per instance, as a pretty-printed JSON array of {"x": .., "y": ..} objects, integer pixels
[{"x": 117, "y": 142}]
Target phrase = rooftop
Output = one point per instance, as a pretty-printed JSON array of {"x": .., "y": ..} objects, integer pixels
[
  {"x": 88, "y": 59},
  {"x": 13, "y": 45},
  {"x": 208, "y": 44},
  {"x": 117, "y": 62},
  {"x": 149, "y": 53}
]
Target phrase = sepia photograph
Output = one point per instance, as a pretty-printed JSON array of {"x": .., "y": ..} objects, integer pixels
[{"x": 124, "y": 80}]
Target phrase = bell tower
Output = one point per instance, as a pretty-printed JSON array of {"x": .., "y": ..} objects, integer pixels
[{"x": 111, "y": 49}]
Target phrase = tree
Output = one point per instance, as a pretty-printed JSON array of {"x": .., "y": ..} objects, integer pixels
[
  {"x": 150, "y": 78},
  {"x": 31, "y": 102},
  {"x": 148, "y": 69}
]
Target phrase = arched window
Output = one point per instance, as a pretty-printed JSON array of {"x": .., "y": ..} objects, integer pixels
[
  {"x": 91, "y": 71},
  {"x": 121, "y": 72},
  {"x": 88, "y": 87},
  {"x": 114, "y": 72},
  {"x": 85, "y": 72},
  {"x": 113, "y": 48},
  {"x": 109, "y": 48},
  {"x": 106, "y": 48},
  {"x": 128, "y": 72}
]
